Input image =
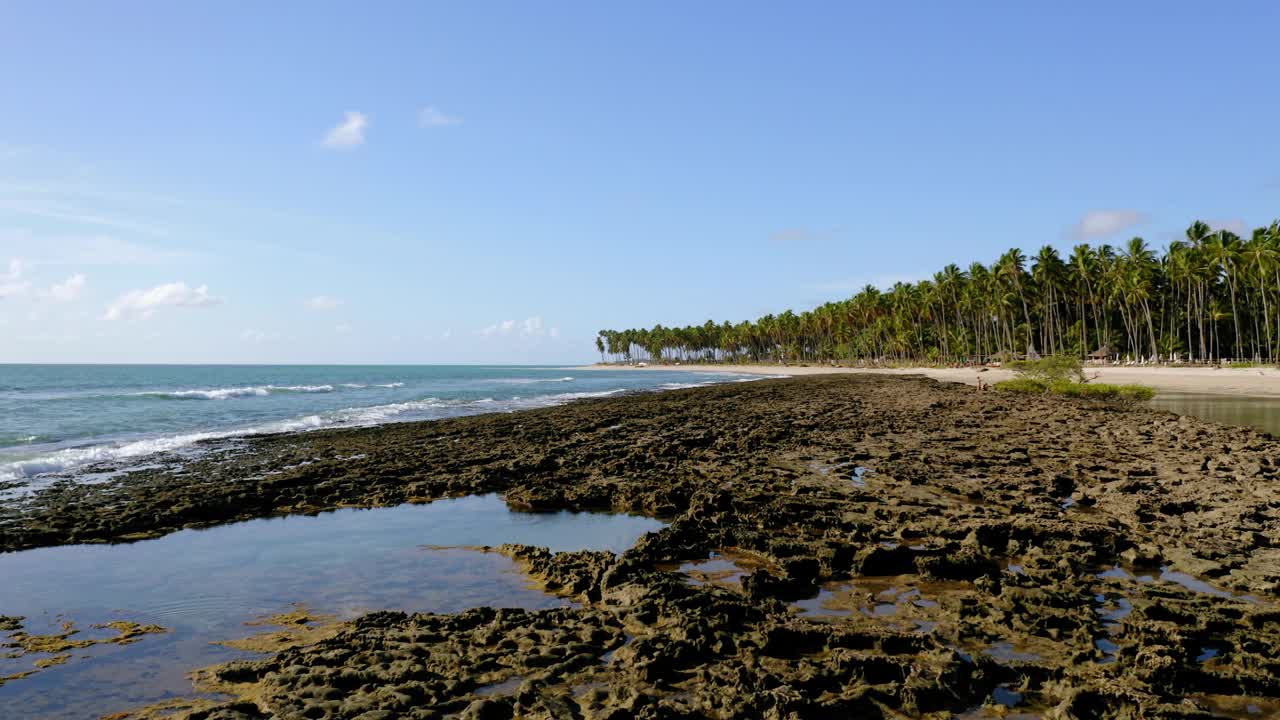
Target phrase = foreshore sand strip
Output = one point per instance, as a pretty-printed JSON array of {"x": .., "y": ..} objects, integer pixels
[{"x": 1259, "y": 381}]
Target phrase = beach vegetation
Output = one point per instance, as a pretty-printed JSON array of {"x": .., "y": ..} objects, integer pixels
[
  {"x": 1052, "y": 369},
  {"x": 1108, "y": 392},
  {"x": 1092, "y": 391},
  {"x": 1064, "y": 375},
  {"x": 1210, "y": 297}
]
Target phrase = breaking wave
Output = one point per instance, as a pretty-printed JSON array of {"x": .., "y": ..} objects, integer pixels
[
  {"x": 71, "y": 459},
  {"x": 228, "y": 393},
  {"x": 531, "y": 381}
]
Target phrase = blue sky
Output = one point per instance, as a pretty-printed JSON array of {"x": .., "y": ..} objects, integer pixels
[{"x": 494, "y": 182}]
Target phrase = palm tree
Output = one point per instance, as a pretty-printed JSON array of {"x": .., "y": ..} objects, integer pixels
[
  {"x": 1132, "y": 302},
  {"x": 1261, "y": 254},
  {"x": 1222, "y": 248}
]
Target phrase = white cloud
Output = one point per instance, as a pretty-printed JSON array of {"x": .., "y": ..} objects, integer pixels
[
  {"x": 8, "y": 290},
  {"x": 11, "y": 282},
  {"x": 68, "y": 290},
  {"x": 323, "y": 303},
  {"x": 16, "y": 268},
  {"x": 349, "y": 133},
  {"x": 432, "y": 117},
  {"x": 258, "y": 336},
  {"x": 448, "y": 333},
  {"x": 1104, "y": 223},
  {"x": 143, "y": 303},
  {"x": 342, "y": 329},
  {"x": 531, "y": 326}
]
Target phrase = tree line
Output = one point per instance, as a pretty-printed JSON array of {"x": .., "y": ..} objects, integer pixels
[{"x": 1211, "y": 296}]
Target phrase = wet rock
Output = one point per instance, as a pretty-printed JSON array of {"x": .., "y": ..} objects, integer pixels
[{"x": 966, "y": 488}]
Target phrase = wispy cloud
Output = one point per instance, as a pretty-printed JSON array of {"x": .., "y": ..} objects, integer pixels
[
  {"x": 1105, "y": 223},
  {"x": 91, "y": 250},
  {"x": 142, "y": 304},
  {"x": 530, "y": 327},
  {"x": 88, "y": 193},
  {"x": 81, "y": 217},
  {"x": 14, "y": 288},
  {"x": 349, "y": 133},
  {"x": 323, "y": 303},
  {"x": 258, "y": 337},
  {"x": 803, "y": 234},
  {"x": 68, "y": 290},
  {"x": 1231, "y": 225},
  {"x": 432, "y": 117},
  {"x": 792, "y": 235}
]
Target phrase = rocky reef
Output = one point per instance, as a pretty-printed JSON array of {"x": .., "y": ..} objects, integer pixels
[{"x": 839, "y": 546}]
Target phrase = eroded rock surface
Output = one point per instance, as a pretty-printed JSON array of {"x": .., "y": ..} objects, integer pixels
[{"x": 908, "y": 548}]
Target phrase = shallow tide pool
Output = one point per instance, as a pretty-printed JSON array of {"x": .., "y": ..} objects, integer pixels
[
  {"x": 204, "y": 585},
  {"x": 1260, "y": 412}
]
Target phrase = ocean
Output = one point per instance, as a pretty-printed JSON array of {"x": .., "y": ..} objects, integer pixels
[{"x": 61, "y": 420}]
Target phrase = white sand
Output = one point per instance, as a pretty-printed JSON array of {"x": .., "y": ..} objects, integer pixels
[{"x": 1226, "y": 381}]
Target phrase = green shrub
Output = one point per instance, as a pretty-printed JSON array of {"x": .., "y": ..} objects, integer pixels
[
  {"x": 1022, "y": 385},
  {"x": 1054, "y": 368},
  {"x": 1104, "y": 391},
  {"x": 1243, "y": 364},
  {"x": 1092, "y": 391}
]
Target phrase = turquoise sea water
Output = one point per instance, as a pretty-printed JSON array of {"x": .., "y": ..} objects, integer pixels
[{"x": 57, "y": 419}]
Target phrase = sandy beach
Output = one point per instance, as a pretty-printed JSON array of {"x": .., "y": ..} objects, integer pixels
[{"x": 1258, "y": 381}]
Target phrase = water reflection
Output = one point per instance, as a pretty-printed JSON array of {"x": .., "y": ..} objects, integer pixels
[{"x": 1259, "y": 412}]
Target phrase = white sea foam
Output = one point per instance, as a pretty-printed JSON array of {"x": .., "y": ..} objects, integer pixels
[
  {"x": 62, "y": 461},
  {"x": 228, "y": 393},
  {"x": 71, "y": 458},
  {"x": 301, "y": 388},
  {"x": 391, "y": 385},
  {"x": 565, "y": 397},
  {"x": 214, "y": 394},
  {"x": 681, "y": 386}
]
